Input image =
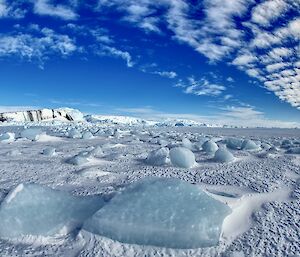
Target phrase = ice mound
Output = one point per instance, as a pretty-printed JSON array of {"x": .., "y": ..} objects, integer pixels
[
  {"x": 163, "y": 212},
  {"x": 87, "y": 135},
  {"x": 50, "y": 151},
  {"x": 96, "y": 151},
  {"x": 158, "y": 157},
  {"x": 210, "y": 147},
  {"x": 223, "y": 155},
  {"x": 38, "y": 210},
  {"x": 250, "y": 145},
  {"x": 74, "y": 133},
  {"x": 79, "y": 159},
  {"x": 295, "y": 150},
  {"x": 182, "y": 157},
  {"x": 7, "y": 137},
  {"x": 187, "y": 143},
  {"x": 234, "y": 143},
  {"x": 31, "y": 133}
]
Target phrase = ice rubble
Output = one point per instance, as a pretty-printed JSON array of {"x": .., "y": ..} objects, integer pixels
[
  {"x": 164, "y": 212},
  {"x": 223, "y": 155},
  {"x": 38, "y": 210},
  {"x": 158, "y": 157},
  {"x": 250, "y": 145},
  {"x": 182, "y": 157},
  {"x": 31, "y": 133},
  {"x": 187, "y": 143},
  {"x": 210, "y": 147},
  {"x": 87, "y": 135},
  {"x": 74, "y": 133},
  {"x": 7, "y": 137}
]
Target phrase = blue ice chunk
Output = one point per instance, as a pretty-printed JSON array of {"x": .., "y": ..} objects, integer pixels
[
  {"x": 163, "y": 212},
  {"x": 210, "y": 147},
  {"x": 182, "y": 157},
  {"x": 32, "y": 209},
  {"x": 223, "y": 155},
  {"x": 50, "y": 151},
  {"x": 31, "y": 133},
  {"x": 250, "y": 145},
  {"x": 158, "y": 157},
  {"x": 234, "y": 143}
]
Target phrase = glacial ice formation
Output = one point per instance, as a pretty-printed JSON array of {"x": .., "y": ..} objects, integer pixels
[
  {"x": 158, "y": 157},
  {"x": 210, "y": 147},
  {"x": 32, "y": 209},
  {"x": 7, "y": 137},
  {"x": 182, "y": 157},
  {"x": 250, "y": 145},
  {"x": 223, "y": 155},
  {"x": 31, "y": 133},
  {"x": 74, "y": 133},
  {"x": 234, "y": 143},
  {"x": 163, "y": 212}
]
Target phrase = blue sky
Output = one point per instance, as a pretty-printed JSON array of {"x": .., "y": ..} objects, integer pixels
[{"x": 217, "y": 61}]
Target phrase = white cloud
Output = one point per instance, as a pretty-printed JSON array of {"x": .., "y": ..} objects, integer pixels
[
  {"x": 45, "y": 7},
  {"x": 11, "y": 108},
  {"x": 36, "y": 47},
  {"x": 201, "y": 87},
  {"x": 266, "y": 12},
  {"x": 112, "y": 51},
  {"x": 167, "y": 74}
]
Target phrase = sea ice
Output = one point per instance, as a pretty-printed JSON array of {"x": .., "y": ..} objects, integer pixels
[
  {"x": 210, "y": 147},
  {"x": 74, "y": 133},
  {"x": 163, "y": 212},
  {"x": 250, "y": 145},
  {"x": 223, "y": 155},
  {"x": 187, "y": 143},
  {"x": 50, "y": 151},
  {"x": 182, "y": 157},
  {"x": 87, "y": 135},
  {"x": 79, "y": 159},
  {"x": 234, "y": 143},
  {"x": 31, "y": 133},
  {"x": 38, "y": 210},
  {"x": 7, "y": 137},
  {"x": 294, "y": 150},
  {"x": 158, "y": 157}
]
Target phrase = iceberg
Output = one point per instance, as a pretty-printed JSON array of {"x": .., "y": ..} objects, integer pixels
[
  {"x": 164, "y": 212},
  {"x": 158, "y": 157},
  {"x": 182, "y": 157},
  {"x": 32, "y": 209}
]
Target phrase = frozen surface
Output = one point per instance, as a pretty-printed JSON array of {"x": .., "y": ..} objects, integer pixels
[
  {"x": 250, "y": 145},
  {"x": 38, "y": 210},
  {"x": 158, "y": 157},
  {"x": 182, "y": 157},
  {"x": 256, "y": 179},
  {"x": 161, "y": 212},
  {"x": 210, "y": 147},
  {"x": 223, "y": 155},
  {"x": 31, "y": 133}
]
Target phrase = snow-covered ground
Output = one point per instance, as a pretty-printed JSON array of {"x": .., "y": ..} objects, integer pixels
[{"x": 261, "y": 185}]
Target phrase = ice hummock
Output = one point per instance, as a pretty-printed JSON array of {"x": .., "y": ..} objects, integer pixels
[
  {"x": 163, "y": 212},
  {"x": 182, "y": 157},
  {"x": 158, "y": 157},
  {"x": 31, "y": 133},
  {"x": 250, "y": 145},
  {"x": 7, "y": 137},
  {"x": 210, "y": 147},
  {"x": 49, "y": 151},
  {"x": 223, "y": 155},
  {"x": 234, "y": 143},
  {"x": 32, "y": 209}
]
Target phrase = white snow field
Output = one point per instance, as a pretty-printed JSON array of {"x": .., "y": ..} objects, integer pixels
[{"x": 136, "y": 189}]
